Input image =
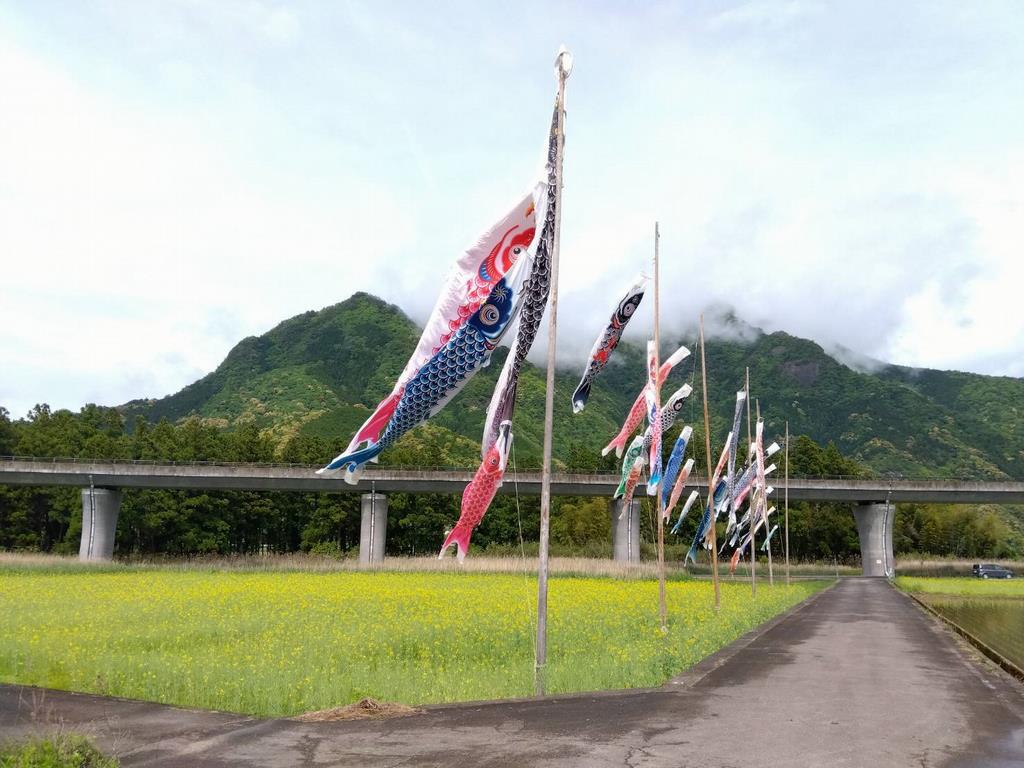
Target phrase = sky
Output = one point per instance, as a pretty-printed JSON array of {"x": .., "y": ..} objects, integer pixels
[{"x": 177, "y": 175}]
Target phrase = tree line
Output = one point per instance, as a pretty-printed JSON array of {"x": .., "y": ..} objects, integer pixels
[{"x": 186, "y": 523}]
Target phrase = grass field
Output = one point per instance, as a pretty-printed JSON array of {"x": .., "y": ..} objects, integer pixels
[
  {"x": 969, "y": 587},
  {"x": 61, "y": 751},
  {"x": 908, "y": 565},
  {"x": 286, "y": 642},
  {"x": 299, "y": 561}
]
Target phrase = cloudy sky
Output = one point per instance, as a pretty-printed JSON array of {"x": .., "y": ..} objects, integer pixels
[{"x": 177, "y": 175}]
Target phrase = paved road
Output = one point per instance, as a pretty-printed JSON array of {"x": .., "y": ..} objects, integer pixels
[{"x": 859, "y": 676}]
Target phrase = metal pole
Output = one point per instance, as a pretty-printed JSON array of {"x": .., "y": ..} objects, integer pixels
[
  {"x": 707, "y": 454},
  {"x": 662, "y": 606},
  {"x": 787, "y": 503},
  {"x": 563, "y": 65}
]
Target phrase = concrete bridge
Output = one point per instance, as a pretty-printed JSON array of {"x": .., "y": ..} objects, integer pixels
[{"x": 102, "y": 481}]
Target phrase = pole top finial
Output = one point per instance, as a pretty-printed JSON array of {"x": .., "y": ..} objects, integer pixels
[{"x": 563, "y": 62}]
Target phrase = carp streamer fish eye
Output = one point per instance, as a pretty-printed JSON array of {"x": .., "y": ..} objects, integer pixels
[{"x": 489, "y": 314}]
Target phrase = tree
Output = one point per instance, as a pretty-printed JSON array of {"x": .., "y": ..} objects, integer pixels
[
  {"x": 581, "y": 521},
  {"x": 8, "y": 434}
]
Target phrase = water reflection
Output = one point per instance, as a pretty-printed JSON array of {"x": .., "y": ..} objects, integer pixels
[{"x": 997, "y": 622}]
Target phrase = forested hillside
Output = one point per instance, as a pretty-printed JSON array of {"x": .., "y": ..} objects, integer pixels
[{"x": 320, "y": 373}]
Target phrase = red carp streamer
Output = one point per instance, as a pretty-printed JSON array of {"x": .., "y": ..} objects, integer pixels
[{"x": 480, "y": 492}]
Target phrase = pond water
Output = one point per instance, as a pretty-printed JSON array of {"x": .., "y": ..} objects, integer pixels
[{"x": 997, "y": 622}]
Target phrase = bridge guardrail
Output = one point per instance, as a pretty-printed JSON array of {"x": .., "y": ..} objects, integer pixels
[{"x": 448, "y": 468}]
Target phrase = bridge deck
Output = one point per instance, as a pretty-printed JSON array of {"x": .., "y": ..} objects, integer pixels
[
  {"x": 303, "y": 478},
  {"x": 860, "y": 676}
]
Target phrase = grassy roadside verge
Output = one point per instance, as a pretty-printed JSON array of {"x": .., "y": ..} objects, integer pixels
[{"x": 61, "y": 751}]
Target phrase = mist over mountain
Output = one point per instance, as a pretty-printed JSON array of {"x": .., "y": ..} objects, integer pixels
[{"x": 321, "y": 373}]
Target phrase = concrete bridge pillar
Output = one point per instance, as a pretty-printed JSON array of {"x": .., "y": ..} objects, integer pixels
[
  {"x": 626, "y": 532},
  {"x": 874, "y": 527},
  {"x": 373, "y": 528},
  {"x": 100, "y": 507}
]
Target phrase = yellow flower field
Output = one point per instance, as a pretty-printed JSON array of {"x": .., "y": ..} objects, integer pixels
[{"x": 284, "y": 643}]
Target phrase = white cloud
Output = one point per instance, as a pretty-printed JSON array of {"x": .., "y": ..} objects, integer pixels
[
  {"x": 876, "y": 218},
  {"x": 281, "y": 25},
  {"x": 127, "y": 236},
  {"x": 764, "y": 14},
  {"x": 173, "y": 178}
]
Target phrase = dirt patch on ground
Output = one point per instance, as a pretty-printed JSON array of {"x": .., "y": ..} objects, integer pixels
[{"x": 364, "y": 709}]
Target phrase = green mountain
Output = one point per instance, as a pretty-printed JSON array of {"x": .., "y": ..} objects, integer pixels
[{"x": 321, "y": 373}]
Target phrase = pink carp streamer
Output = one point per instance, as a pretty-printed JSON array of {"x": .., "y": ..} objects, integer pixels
[
  {"x": 666, "y": 417},
  {"x": 742, "y": 548},
  {"x": 479, "y": 493},
  {"x": 759, "y": 497},
  {"x": 639, "y": 408},
  {"x": 757, "y": 515},
  {"x": 651, "y": 398},
  {"x": 734, "y": 561},
  {"x": 730, "y": 471},
  {"x": 470, "y": 281},
  {"x": 743, "y": 485},
  {"x": 703, "y": 533},
  {"x": 763, "y": 489}
]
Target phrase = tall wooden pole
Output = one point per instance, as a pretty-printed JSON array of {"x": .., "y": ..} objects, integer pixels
[
  {"x": 563, "y": 65},
  {"x": 753, "y": 540},
  {"x": 787, "y": 503},
  {"x": 662, "y": 605},
  {"x": 707, "y": 455}
]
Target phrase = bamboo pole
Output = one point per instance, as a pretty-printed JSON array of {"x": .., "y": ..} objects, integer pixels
[
  {"x": 707, "y": 455},
  {"x": 753, "y": 540},
  {"x": 563, "y": 64},
  {"x": 787, "y": 503},
  {"x": 662, "y": 605}
]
